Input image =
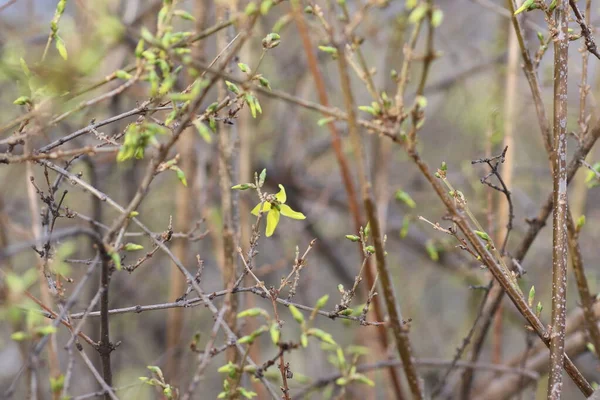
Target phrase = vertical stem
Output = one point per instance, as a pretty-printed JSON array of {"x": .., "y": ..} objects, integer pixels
[
  {"x": 353, "y": 203},
  {"x": 105, "y": 347},
  {"x": 396, "y": 324},
  {"x": 46, "y": 294},
  {"x": 183, "y": 222},
  {"x": 225, "y": 148},
  {"x": 504, "y": 217},
  {"x": 559, "y": 217}
]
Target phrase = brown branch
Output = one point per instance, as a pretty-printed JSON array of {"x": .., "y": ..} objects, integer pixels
[
  {"x": 590, "y": 43},
  {"x": 399, "y": 331},
  {"x": 353, "y": 203}
]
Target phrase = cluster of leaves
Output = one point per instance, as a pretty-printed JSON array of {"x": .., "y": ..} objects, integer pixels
[{"x": 158, "y": 380}]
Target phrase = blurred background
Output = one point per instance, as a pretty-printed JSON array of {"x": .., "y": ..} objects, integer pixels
[{"x": 466, "y": 113}]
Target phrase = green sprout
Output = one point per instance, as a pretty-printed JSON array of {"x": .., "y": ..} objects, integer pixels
[{"x": 276, "y": 207}]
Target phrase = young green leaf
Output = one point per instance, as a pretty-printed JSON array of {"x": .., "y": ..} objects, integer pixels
[
  {"x": 531, "y": 296},
  {"x": 404, "y": 197},
  {"x": 298, "y": 316},
  {"x": 353, "y": 238},
  {"x": 133, "y": 247},
  {"x": 321, "y": 302},
  {"x": 62, "y": 49}
]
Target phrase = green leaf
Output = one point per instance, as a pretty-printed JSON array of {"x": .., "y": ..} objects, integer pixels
[
  {"x": 184, "y": 15},
  {"x": 304, "y": 340},
  {"x": 180, "y": 175},
  {"x": 281, "y": 196},
  {"x": 328, "y": 49},
  {"x": 251, "y": 9},
  {"x": 243, "y": 186},
  {"x": 123, "y": 74},
  {"x": 203, "y": 131},
  {"x": 19, "y": 336},
  {"x": 57, "y": 384},
  {"x": 432, "y": 250},
  {"x": 133, "y": 247},
  {"x": 436, "y": 17},
  {"x": 405, "y": 226},
  {"x": 341, "y": 358},
  {"x": 272, "y": 221},
  {"x": 271, "y": 40},
  {"x": 342, "y": 381},
  {"x": 62, "y": 49},
  {"x": 325, "y": 121},
  {"x": 264, "y": 82},
  {"x": 288, "y": 212},
  {"x": 367, "y": 230},
  {"x": 252, "y": 312},
  {"x": 116, "y": 260},
  {"x": 321, "y": 335},
  {"x": 275, "y": 332},
  {"x": 21, "y": 101},
  {"x": 591, "y": 348},
  {"x": 246, "y": 393},
  {"x": 321, "y": 302},
  {"x": 262, "y": 177},
  {"x": 410, "y": 4},
  {"x": 483, "y": 235},
  {"x": 368, "y": 109},
  {"x": 580, "y": 222},
  {"x": 45, "y": 330},
  {"x": 527, "y": 5},
  {"x": 358, "y": 350},
  {"x": 146, "y": 35},
  {"x": 353, "y": 238},
  {"x": 418, "y": 13},
  {"x": 265, "y": 6},
  {"x": 256, "y": 210},
  {"x": 232, "y": 87},
  {"x": 244, "y": 68},
  {"x": 298, "y": 316},
  {"x": 421, "y": 101},
  {"x": 227, "y": 368},
  {"x": 362, "y": 379},
  {"x": 531, "y": 296},
  {"x": 405, "y": 198}
]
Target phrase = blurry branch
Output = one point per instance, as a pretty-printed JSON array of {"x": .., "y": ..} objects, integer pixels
[
  {"x": 508, "y": 386},
  {"x": 197, "y": 301},
  {"x": 590, "y": 44},
  {"x": 490, "y": 5},
  {"x": 506, "y": 215},
  {"x": 460, "y": 350},
  {"x": 7, "y": 4},
  {"x": 532, "y": 79},
  {"x": 423, "y": 363},
  {"x": 586, "y": 298},
  {"x": 226, "y": 172},
  {"x": 399, "y": 331},
  {"x": 346, "y": 176}
]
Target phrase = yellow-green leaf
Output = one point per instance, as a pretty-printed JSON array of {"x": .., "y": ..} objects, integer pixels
[
  {"x": 281, "y": 196},
  {"x": 288, "y": 212},
  {"x": 272, "y": 221},
  {"x": 62, "y": 49},
  {"x": 266, "y": 207}
]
